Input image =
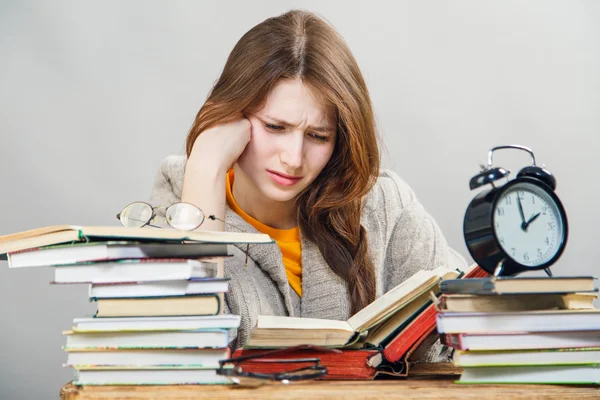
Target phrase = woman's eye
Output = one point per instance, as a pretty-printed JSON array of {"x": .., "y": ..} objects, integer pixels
[
  {"x": 274, "y": 127},
  {"x": 319, "y": 138}
]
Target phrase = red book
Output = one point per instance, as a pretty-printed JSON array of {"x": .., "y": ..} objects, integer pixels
[
  {"x": 341, "y": 364},
  {"x": 422, "y": 325}
]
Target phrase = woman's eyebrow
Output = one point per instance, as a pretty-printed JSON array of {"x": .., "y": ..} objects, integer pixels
[{"x": 320, "y": 129}]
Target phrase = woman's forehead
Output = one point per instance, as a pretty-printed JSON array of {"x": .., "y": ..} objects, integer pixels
[{"x": 294, "y": 101}]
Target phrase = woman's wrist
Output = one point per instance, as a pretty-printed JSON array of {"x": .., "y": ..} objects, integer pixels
[{"x": 204, "y": 187}]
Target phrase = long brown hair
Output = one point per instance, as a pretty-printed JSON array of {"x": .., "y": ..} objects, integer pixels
[{"x": 295, "y": 45}]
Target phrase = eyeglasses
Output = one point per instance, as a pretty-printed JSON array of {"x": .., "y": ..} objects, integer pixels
[
  {"x": 182, "y": 216},
  {"x": 305, "y": 369}
]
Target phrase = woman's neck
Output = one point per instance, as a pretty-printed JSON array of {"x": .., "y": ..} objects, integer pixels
[{"x": 276, "y": 214}]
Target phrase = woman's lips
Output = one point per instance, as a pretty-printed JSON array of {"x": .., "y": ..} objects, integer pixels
[{"x": 283, "y": 180}]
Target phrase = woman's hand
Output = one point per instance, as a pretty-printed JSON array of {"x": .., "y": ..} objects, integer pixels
[
  {"x": 213, "y": 154},
  {"x": 220, "y": 146}
]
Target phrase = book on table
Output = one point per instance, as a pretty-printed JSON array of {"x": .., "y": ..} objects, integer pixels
[
  {"x": 192, "y": 357},
  {"x": 550, "y": 374},
  {"x": 374, "y": 341},
  {"x": 53, "y": 235},
  {"x": 522, "y": 341},
  {"x": 513, "y": 322},
  {"x": 278, "y": 331},
  {"x": 519, "y": 285},
  {"x": 126, "y": 271},
  {"x": 516, "y": 302},
  {"x": 81, "y": 252},
  {"x": 186, "y": 287},
  {"x": 149, "y": 376},
  {"x": 204, "y": 304},
  {"x": 208, "y": 338},
  {"x": 141, "y": 324},
  {"x": 540, "y": 357}
]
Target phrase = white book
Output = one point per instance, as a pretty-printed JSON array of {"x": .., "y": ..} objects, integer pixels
[
  {"x": 135, "y": 271},
  {"x": 136, "y": 324},
  {"x": 173, "y": 376},
  {"x": 565, "y": 374},
  {"x": 519, "y": 322},
  {"x": 218, "y": 338},
  {"x": 206, "y": 358},
  {"x": 105, "y": 251},
  {"x": 526, "y": 357},
  {"x": 159, "y": 289},
  {"x": 522, "y": 341}
]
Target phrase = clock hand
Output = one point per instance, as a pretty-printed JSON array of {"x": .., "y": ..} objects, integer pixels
[
  {"x": 523, "y": 223},
  {"x": 531, "y": 220}
]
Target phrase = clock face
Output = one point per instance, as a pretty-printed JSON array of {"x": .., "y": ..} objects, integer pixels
[{"x": 528, "y": 224}]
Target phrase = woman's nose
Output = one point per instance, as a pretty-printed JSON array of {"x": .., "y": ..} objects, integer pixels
[{"x": 292, "y": 150}]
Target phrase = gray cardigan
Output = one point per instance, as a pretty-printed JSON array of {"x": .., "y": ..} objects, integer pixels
[{"x": 403, "y": 239}]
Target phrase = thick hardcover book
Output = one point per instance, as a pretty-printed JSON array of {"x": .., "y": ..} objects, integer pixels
[
  {"x": 149, "y": 376},
  {"x": 522, "y": 341},
  {"x": 159, "y": 289},
  {"x": 514, "y": 358},
  {"x": 277, "y": 331},
  {"x": 206, "y": 304},
  {"x": 209, "y": 338},
  {"x": 516, "y": 302},
  {"x": 53, "y": 235},
  {"x": 553, "y": 374},
  {"x": 205, "y": 358},
  {"x": 105, "y": 251},
  {"x": 519, "y": 322},
  {"x": 341, "y": 364},
  {"x": 141, "y": 270},
  {"x": 519, "y": 285},
  {"x": 146, "y": 324}
]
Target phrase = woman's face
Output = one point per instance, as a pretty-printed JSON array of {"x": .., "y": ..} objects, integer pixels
[{"x": 293, "y": 137}]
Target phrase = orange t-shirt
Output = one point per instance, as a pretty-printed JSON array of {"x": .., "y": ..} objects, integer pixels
[{"x": 288, "y": 240}]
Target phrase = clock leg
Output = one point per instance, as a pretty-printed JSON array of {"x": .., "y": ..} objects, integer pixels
[
  {"x": 548, "y": 272},
  {"x": 499, "y": 268}
]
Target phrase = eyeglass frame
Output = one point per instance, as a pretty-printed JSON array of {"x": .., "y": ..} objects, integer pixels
[
  {"x": 283, "y": 377},
  {"x": 154, "y": 214}
]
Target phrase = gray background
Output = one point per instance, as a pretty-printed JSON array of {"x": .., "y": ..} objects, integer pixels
[{"x": 94, "y": 95}]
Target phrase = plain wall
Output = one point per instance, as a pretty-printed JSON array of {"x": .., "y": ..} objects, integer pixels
[{"x": 93, "y": 95}]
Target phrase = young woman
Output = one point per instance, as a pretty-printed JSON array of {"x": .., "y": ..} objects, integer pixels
[{"x": 286, "y": 145}]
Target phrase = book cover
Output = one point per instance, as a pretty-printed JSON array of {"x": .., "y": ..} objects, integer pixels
[
  {"x": 207, "y": 304},
  {"x": 80, "y": 252},
  {"x": 519, "y": 285},
  {"x": 53, "y": 235}
]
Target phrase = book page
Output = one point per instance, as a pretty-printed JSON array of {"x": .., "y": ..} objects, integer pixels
[
  {"x": 396, "y": 298},
  {"x": 277, "y": 322}
]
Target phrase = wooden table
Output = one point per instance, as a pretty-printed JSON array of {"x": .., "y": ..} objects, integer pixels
[{"x": 429, "y": 388}]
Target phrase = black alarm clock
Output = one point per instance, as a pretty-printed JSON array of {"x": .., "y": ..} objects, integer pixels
[{"x": 515, "y": 226}]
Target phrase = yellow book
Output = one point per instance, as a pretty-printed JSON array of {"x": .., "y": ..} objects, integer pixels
[{"x": 160, "y": 306}]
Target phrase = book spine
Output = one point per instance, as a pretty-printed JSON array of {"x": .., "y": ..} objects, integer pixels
[
  {"x": 465, "y": 286},
  {"x": 423, "y": 324}
]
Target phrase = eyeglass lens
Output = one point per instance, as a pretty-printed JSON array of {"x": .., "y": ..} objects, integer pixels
[
  {"x": 136, "y": 215},
  {"x": 184, "y": 216}
]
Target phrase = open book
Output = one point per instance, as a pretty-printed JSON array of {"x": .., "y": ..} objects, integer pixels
[
  {"x": 364, "y": 327},
  {"x": 53, "y": 235}
]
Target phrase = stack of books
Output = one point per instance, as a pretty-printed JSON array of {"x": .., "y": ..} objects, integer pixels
[
  {"x": 377, "y": 340},
  {"x": 159, "y": 300},
  {"x": 522, "y": 329}
]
